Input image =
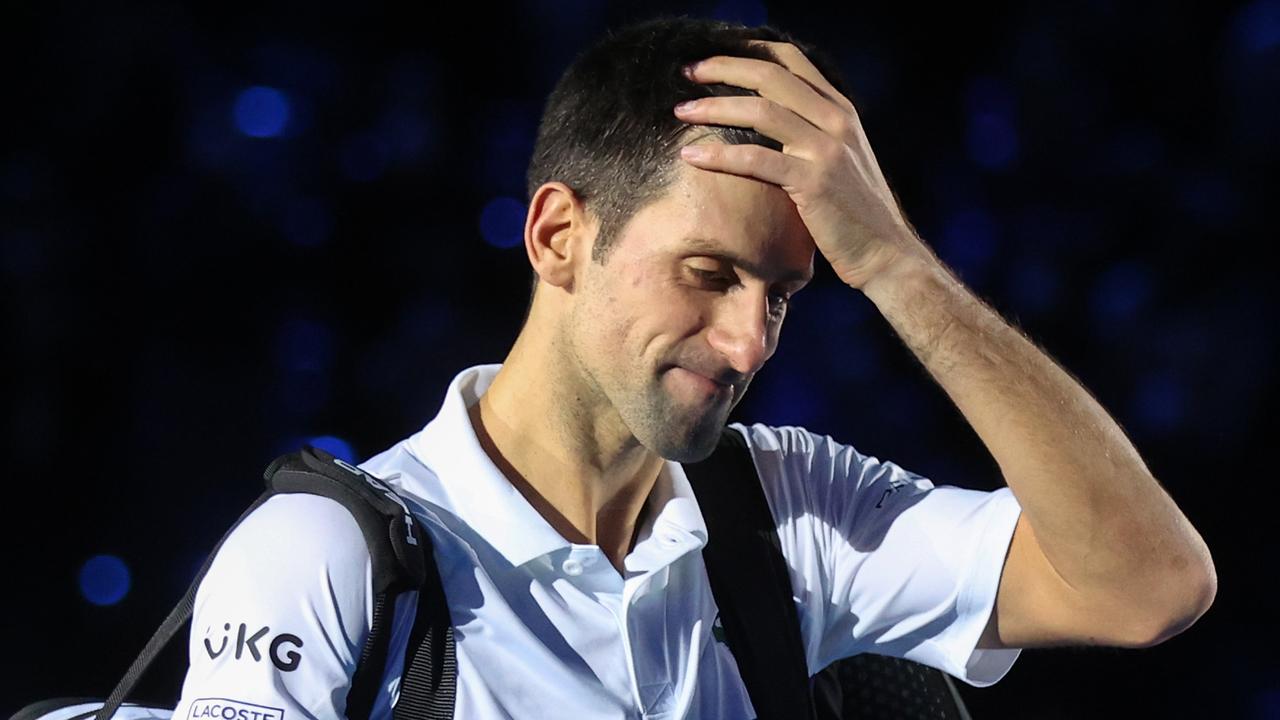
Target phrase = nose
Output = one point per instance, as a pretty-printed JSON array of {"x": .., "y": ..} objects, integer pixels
[{"x": 742, "y": 331}]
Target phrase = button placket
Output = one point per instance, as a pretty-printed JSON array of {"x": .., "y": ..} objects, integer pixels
[{"x": 579, "y": 560}]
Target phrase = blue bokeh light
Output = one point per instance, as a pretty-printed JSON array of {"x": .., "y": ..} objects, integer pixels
[
  {"x": 992, "y": 141},
  {"x": 1257, "y": 26},
  {"x": 992, "y": 136},
  {"x": 406, "y": 134},
  {"x": 968, "y": 243},
  {"x": 335, "y": 446},
  {"x": 304, "y": 345},
  {"x": 1034, "y": 284},
  {"x": 789, "y": 397},
  {"x": 261, "y": 112},
  {"x": 1158, "y": 402},
  {"x": 1120, "y": 294},
  {"x": 104, "y": 580},
  {"x": 1267, "y": 704},
  {"x": 509, "y": 137},
  {"x": 827, "y": 316},
  {"x": 502, "y": 222}
]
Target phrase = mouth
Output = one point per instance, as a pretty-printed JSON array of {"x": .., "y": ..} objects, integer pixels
[{"x": 702, "y": 382}]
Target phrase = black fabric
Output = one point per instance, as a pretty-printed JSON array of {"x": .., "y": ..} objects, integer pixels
[
  {"x": 428, "y": 683},
  {"x": 877, "y": 687},
  {"x": 367, "y": 679},
  {"x": 750, "y": 582}
]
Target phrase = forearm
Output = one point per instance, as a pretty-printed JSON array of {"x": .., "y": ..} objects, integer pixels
[{"x": 1101, "y": 519}]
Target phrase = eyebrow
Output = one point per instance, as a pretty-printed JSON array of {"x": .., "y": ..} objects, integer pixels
[{"x": 711, "y": 248}]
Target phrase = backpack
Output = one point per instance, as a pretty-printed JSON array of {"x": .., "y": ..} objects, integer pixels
[{"x": 746, "y": 569}]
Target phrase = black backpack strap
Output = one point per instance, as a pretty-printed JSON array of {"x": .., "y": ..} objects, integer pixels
[
  {"x": 395, "y": 545},
  {"x": 750, "y": 582},
  {"x": 429, "y": 682},
  {"x": 753, "y": 589}
]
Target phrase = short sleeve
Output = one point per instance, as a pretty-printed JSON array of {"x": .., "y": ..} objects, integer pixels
[
  {"x": 281, "y": 616},
  {"x": 882, "y": 561}
]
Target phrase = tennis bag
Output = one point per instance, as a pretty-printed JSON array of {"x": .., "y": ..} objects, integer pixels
[{"x": 745, "y": 566}]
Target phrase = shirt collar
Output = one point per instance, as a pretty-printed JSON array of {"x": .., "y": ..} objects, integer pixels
[{"x": 482, "y": 497}]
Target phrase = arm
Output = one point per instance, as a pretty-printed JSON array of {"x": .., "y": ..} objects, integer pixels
[{"x": 1101, "y": 554}]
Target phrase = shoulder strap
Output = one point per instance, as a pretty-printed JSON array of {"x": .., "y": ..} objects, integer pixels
[
  {"x": 429, "y": 682},
  {"x": 395, "y": 546},
  {"x": 750, "y": 582},
  {"x": 751, "y": 585}
]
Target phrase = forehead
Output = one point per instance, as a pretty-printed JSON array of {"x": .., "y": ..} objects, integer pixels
[{"x": 707, "y": 213}]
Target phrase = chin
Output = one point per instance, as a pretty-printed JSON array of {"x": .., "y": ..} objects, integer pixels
[{"x": 688, "y": 447}]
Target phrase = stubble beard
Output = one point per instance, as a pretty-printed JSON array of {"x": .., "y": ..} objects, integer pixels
[
  {"x": 647, "y": 408},
  {"x": 672, "y": 430}
]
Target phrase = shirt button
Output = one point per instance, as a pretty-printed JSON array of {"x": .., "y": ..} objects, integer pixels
[{"x": 572, "y": 567}]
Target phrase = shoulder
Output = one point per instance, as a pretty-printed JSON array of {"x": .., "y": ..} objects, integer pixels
[
  {"x": 792, "y": 451},
  {"x": 294, "y": 552},
  {"x": 292, "y": 529},
  {"x": 781, "y": 450},
  {"x": 793, "y": 441},
  {"x": 282, "y": 615}
]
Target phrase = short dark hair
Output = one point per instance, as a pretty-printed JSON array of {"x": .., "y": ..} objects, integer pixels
[{"x": 608, "y": 131}]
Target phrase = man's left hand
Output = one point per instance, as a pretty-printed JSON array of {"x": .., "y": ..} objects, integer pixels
[{"x": 826, "y": 164}]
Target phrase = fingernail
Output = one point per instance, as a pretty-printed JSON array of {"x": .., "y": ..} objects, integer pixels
[
  {"x": 689, "y": 70},
  {"x": 687, "y": 104},
  {"x": 692, "y": 152}
]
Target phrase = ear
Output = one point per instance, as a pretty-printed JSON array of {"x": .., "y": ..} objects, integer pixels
[{"x": 556, "y": 234}]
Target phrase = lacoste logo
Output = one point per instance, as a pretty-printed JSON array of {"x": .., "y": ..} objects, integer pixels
[{"x": 225, "y": 709}]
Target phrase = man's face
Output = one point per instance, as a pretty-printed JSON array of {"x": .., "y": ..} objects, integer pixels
[{"x": 688, "y": 306}]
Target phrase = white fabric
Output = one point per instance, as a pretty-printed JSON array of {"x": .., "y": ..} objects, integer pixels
[{"x": 882, "y": 560}]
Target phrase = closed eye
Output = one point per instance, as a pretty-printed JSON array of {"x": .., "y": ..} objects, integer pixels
[
  {"x": 777, "y": 301},
  {"x": 710, "y": 275}
]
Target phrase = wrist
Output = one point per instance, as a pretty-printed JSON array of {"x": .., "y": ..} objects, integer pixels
[{"x": 909, "y": 274}]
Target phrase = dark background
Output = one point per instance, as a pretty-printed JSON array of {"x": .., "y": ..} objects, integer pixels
[{"x": 184, "y": 300}]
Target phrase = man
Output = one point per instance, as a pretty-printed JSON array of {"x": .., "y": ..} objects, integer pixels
[{"x": 665, "y": 245}]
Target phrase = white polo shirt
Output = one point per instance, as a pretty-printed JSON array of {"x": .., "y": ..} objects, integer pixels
[{"x": 881, "y": 561}]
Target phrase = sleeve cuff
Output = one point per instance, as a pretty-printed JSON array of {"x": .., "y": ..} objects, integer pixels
[{"x": 981, "y": 667}]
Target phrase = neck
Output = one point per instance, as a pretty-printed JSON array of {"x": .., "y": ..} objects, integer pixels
[{"x": 567, "y": 452}]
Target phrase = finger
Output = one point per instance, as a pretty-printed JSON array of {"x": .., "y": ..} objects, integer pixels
[
  {"x": 778, "y": 84},
  {"x": 803, "y": 67},
  {"x": 753, "y": 161},
  {"x": 764, "y": 115}
]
